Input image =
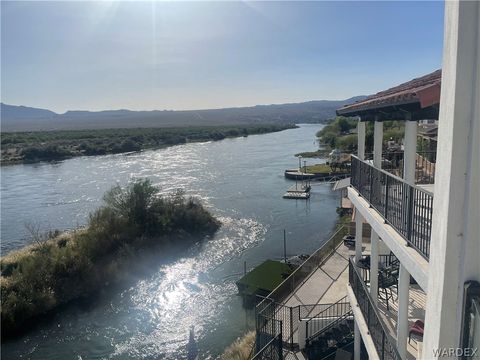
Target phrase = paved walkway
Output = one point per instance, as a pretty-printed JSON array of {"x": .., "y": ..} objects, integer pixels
[{"x": 328, "y": 283}]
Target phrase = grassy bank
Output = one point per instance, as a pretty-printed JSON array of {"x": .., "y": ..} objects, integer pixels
[
  {"x": 314, "y": 154},
  {"x": 64, "y": 267},
  {"x": 29, "y": 147},
  {"x": 241, "y": 348}
]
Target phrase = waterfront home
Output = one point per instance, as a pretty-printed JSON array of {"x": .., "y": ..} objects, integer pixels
[{"x": 411, "y": 290}]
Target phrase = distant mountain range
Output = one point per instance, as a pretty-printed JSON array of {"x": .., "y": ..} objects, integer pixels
[{"x": 23, "y": 118}]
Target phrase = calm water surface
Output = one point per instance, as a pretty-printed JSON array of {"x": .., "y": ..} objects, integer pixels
[{"x": 148, "y": 315}]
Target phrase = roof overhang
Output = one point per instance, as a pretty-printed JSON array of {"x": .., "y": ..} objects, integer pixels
[{"x": 414, "y": 100}]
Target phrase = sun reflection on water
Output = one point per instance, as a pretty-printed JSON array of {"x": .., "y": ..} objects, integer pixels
[{"x": 183, "y": 294}]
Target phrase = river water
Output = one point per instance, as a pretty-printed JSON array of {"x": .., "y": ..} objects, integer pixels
[{"x": 148, "y": 315}]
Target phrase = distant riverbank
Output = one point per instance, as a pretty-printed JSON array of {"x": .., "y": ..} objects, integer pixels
[{"x": 32, "y": 147}]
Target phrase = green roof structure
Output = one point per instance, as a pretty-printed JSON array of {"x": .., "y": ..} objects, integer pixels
[{"x": 264, "y": 278}]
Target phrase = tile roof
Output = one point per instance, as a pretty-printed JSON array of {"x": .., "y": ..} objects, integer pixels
[{"x": 424, "y": 90}]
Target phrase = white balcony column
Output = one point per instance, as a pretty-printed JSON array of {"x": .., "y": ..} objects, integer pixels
[
  {"x": 358, "y": 235},
  {"x": 357, "y": 343},
  {"x": 455, "y": 246},
  {"x": 361, "y": 130},
  {"x": 377, "y": 143},
  {"x": 374, "y": 266},
  {"x": 402, "y": 321},
  {"x": 410, "y": 152},
  {"x": 383, "y": 248}
]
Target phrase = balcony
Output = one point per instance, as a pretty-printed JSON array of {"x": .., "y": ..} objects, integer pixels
[
  {"x": 381, "y": 318},
  {"x": 425, "y": 165},
  {"x": 407, "y": 208}
]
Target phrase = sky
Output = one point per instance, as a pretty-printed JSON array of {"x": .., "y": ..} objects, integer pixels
[{"x": 97, "y": 55}]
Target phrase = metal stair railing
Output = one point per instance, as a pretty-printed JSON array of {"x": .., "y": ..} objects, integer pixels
[{"x": 328, "y": 318}]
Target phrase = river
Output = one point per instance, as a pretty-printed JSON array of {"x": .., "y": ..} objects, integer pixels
[{"x": 148, "y": 315}]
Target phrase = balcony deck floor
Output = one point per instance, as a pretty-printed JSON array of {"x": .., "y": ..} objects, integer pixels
[{"x": 416, "y": 311}]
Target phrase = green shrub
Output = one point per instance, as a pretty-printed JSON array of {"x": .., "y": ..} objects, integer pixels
[{"x": 37, "y": 278}]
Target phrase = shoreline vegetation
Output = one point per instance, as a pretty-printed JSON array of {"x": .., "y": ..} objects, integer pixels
[
  {"x": 341, "y": 133},
  {"x": 320, "y": 153},
  {"x": 241, "y": 348},
  {"x": 32, "y": 147},
  {"x": 61, "y": 267}
]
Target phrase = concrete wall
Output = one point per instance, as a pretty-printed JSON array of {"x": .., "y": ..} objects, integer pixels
[{"x": 455, "y": 250}]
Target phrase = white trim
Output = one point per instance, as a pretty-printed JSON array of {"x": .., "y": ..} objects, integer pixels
[
  {"x": 416, "y": 265},
  {"x": 377, "y": 144},
  {"x": 455, "y": 224},
  {"x": 362, "y": 326},
  {"x": 410, "y": 152},
  {"x": 361, "y": 130},
  {"x": 358, "y": 236},
  {"x": 402, "y": 319},
  {"x": 374, "y": 240}
]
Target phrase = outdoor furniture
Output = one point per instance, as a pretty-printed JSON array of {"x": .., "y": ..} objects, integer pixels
[
  {"x": 349, "y": 240},
  {"x": 364, "y": 264},
  {"x": 416, "y": 329},
  {"x": 385, "y": 283}
]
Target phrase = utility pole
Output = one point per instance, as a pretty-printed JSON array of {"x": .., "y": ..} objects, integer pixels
[{"x": 285, "y": 245}]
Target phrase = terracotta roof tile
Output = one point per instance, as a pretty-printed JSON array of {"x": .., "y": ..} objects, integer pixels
[{"x": 424, "y": 90}]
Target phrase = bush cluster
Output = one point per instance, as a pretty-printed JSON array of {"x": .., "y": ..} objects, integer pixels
[
  {"x": 38, "y": 278},
  {"x": 340, "y": 135}
]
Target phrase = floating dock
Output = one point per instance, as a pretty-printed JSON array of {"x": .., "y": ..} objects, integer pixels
[
  {"x": 298, "y": 175},
  {"x": 296, "y": 195},
  {"x": 298, "y": 191}
]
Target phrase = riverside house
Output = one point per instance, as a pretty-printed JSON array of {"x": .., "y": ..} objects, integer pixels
[{"x": 411, "y": 290}]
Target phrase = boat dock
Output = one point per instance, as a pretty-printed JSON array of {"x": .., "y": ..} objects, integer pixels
[{"x": 298, "y": 191}]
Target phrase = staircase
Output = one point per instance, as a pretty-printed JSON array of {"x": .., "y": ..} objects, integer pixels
[
  {"x": 338, "y": 336},
  {"x": 330, "y": 330}
]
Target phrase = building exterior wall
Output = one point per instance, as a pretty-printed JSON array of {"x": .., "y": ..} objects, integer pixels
[{"x": 455, "y": 251}]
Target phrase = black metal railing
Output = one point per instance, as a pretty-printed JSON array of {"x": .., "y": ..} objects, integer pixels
[
  {"x": 425, "y": 165},
  {"x": 298, "y": 277},
  {"x": 268, "y": 341},
  {"x": 328, "y": 318},
  {"x": 406, "y": 207},
  {"x": 289, "y": 316},
  {"x": 383, "y": 341},
  {"x": 272, "y": 307}
]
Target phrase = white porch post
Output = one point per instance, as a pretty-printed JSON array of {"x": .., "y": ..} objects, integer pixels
[
  {"x": 455, "y": 246},
  {"x": 377, "y": 143},
  {"x": 374, "y": 266},
  {"x": 410, "y": 153},
  {"x": 383, "y": 249},
  {"x": 403, "y": 299},
  {"x": 359, "y": 230},
  {"x": 409, "y": 167},
  {"x": 358, "y": 235},
  {"x": 357, "y": 343},
  {"x": 361, "y": 139}
]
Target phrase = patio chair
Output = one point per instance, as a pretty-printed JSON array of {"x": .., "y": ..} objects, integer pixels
[
  {"x": 386, "y": 281},
  {"x": 416, "y": 329}
]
